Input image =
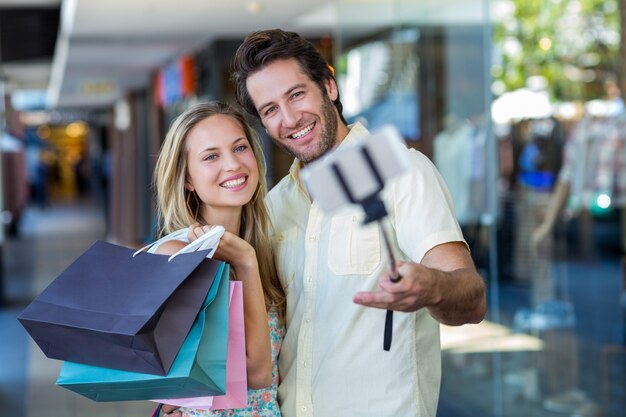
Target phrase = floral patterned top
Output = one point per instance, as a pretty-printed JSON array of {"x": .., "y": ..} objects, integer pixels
[{"x": 261, "y": 402}]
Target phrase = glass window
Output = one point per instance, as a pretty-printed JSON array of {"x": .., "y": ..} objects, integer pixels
[{"x": 535, "y": 161}]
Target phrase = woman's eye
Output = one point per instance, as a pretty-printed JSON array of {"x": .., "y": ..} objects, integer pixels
[
  {"x": 210, "y": 157},
  {"x": 241, "y": 148}
]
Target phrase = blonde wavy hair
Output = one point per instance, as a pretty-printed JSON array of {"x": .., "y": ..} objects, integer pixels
[{"x": 178, "y": 207}]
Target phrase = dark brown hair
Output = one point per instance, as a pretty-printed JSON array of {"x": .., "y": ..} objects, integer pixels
[{"x": 263, "y": 47}]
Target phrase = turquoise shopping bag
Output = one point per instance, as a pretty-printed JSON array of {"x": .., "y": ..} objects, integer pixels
[{"x": 198, "y": 370}]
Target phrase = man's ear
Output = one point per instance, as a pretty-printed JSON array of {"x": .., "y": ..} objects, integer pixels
[{"x": 331, "y": 89}]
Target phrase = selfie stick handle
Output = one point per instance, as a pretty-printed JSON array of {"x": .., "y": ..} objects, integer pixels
[
  {"x": 395, "y": 275},
  {"x": 375, "y": 210}
]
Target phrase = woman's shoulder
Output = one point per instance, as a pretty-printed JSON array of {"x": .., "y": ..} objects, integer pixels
[{"x": 169, "y": 247}]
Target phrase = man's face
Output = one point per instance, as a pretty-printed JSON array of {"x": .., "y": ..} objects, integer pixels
[{"x": 300, "y": 118}]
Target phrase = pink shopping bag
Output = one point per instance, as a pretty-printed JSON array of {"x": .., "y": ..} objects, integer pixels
[{"x": 236, "y": 380}]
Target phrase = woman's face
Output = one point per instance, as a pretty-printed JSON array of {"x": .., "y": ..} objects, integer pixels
[{"x": 221, "y": 167}]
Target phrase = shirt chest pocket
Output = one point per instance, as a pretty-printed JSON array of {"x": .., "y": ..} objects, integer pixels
[
  {"x": 286, "y": 254},
  {"x": 353, "y": 248}
]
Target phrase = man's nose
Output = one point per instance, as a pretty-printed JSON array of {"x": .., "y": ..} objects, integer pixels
[{"x": 291, "y": 117}]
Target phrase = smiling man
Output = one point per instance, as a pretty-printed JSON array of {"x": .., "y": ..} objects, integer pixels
[
  {"x": 332, "y": 268},
  {"x": 301, "y": 119}
]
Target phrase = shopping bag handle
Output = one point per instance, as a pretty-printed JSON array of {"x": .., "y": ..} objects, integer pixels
[{"x": 209, "y": 240}]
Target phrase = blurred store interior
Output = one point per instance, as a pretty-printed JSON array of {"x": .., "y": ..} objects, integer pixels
[{"x": 518, "y": 103}]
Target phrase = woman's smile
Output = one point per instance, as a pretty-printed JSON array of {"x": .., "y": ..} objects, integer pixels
[{"x": 235, "y": 183}]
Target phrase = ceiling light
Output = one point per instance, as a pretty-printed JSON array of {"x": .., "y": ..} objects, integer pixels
[{"x": 254, "y": 7}]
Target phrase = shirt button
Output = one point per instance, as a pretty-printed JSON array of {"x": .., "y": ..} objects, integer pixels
[
  {"x": 304, "y": 408},
  {"x": 353, "y": 219},
  {"x": 281, "y": 238},
  {"x": 307, "y": 321},
  {"x": 304, "y": 364},
  {"x": 309, "y": 278},
  {"x": 312, "y": 237}
]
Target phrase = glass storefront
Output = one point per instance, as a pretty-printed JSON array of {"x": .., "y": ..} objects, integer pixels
[{"x": 524, "y": 177}]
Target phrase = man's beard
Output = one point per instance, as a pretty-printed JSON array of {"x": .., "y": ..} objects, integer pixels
[{"x": 328, "y": 135}]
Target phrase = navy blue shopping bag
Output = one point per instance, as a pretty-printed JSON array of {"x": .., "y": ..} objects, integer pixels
[{"x": 115, "y": 310}]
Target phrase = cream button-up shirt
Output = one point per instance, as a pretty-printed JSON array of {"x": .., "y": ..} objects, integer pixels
[{"x": 332, "y": 361}]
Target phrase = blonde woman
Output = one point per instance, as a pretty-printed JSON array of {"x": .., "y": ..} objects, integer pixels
[{"x": 210, "y": 171}]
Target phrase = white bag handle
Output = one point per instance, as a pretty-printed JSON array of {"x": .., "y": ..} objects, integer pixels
[{"x": 209, "y": 240}]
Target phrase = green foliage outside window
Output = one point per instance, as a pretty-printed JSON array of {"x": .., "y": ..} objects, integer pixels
[{"x": 574, "y": 44}]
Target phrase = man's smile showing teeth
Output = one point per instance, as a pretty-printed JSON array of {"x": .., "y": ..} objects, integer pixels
[
  {"x": 234, "y": 183},
  {"x": 303, "y": 132}
]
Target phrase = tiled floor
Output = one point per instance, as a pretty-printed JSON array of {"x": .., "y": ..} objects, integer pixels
[{"x": 49, "y": 240}]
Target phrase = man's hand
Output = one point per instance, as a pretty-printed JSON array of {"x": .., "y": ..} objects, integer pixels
[
  {"x": 417, "y": 289},
  {"x": 445, "y": 282}
]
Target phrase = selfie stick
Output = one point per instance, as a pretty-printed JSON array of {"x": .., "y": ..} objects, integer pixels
[
  {"x": 375, "y": 210},
  {"x": 356, "y": 174}
]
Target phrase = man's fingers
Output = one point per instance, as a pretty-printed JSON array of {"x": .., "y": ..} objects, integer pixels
[
  {"x": 376, "y": 299},
  {"x": 394, "y": 287},
  {"x": 384, "y": 302},
  {"x": 402, "y": 301}
]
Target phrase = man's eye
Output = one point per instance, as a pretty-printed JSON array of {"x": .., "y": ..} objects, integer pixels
[
  {"x": 270, "y": 110},
  {"x": 297, "y": 94}
]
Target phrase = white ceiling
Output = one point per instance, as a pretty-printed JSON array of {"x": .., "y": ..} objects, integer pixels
[{"x": 106, "y": 47}]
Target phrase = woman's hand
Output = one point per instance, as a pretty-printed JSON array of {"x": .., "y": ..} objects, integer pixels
[
  {"x": 237, "y": 252},
  {"x": 232, "y": 249},
  {"x": 196, "y": 230},
  {"x": 171, "y": 411}
]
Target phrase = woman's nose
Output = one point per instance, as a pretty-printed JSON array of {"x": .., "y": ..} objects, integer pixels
[{"x": 231, "y": 162}]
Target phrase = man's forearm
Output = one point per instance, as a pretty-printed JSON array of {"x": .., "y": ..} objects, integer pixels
[{"x": 462, "y": 297}]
